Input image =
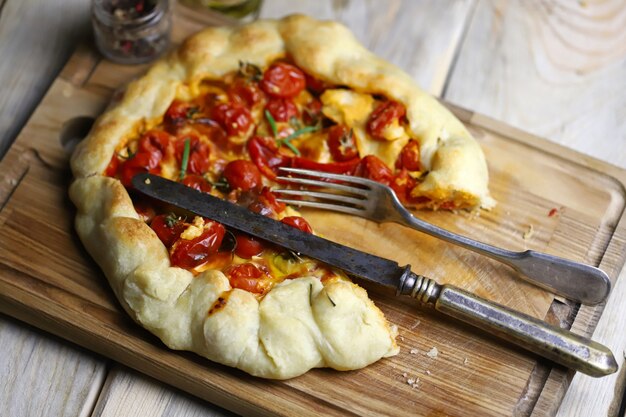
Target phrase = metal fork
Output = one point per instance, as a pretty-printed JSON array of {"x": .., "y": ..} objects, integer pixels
[{"x": 374, "y": 201}]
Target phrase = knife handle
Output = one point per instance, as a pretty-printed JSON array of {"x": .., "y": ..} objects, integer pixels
[{"x": 559, "y": 345}]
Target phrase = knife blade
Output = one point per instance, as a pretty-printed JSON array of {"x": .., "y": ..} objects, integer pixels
[{"x": 554, "y": 343}]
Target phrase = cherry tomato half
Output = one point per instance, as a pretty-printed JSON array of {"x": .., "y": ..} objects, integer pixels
[
  {"x": 140, "y": 162},
  {"x": 312, "y": 112},
  {"x": 198, "y": 162},
  {"x": 267, "y": 204},
  {"x": 168, "y": 228},
  {"x": 341, "y": 143},
  {"x": 402, "y": 183},
  {"x": 297, "y": 222},
  {"x": 264, "y": 153},
  {"x": 113, "y": 166},
  {"x": 154, "y": 140},
  {"x": 245, "y": 92},
  {"x": 197, "y": 182},
  {"x": 248, "y": 277},
  {"x": 233, "y": 117},
  {"x": 282, "y": 109},
  {"x": 195, "y": 252},
  {"x": 283, "y": 80},
  {"x": 248, "y": 246},
  {"x": 242, "y": 174},
  {"x": 316, "y": 85},
  {"x": 409, "y": 157},
  {"x": 177, "y": 114},
  {"x": 382, "y": 116},
  {"x": 373, "y": 168}
]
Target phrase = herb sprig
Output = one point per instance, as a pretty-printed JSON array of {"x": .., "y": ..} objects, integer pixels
[
  {"x": 185, "y": 159},
  {"x": 272, "y": 122},
  {"x": 287, "y": 141}
]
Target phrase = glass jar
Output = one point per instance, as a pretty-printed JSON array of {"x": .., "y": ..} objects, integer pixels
[{"x": 131, "y": 31}]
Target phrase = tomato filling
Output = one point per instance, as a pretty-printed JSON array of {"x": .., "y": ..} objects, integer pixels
[{"x": 230, "y": 141}]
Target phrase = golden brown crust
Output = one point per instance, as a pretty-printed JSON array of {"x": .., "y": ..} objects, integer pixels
[{"x": 295, "y": 327}]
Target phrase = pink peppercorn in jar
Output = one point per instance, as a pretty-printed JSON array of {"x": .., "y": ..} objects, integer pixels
[{"x": 131, "y": 31}]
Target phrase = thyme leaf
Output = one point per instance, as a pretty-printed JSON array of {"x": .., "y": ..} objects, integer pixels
[
  {"x": 185, "y": 160},
  {"x": 171, "y": 219},
  {"x": 311, "y": 294}
]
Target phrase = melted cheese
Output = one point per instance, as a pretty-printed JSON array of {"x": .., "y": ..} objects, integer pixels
[
  {"x": 353, "y": 110},
  {"x": 194, "y": 230}
]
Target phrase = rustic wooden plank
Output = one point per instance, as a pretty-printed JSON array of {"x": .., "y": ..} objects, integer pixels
[
  {"x": 41, "y": 375},
  {"x": 434, "y": 28},
  {"x": 128, "y": 393},
  {"x": 45, "y": 376},
  {"x": 556, "y": 69},
  {"x": 36, "y": 56}
]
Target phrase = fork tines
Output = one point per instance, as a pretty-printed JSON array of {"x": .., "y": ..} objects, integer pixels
[{"x": 336, "y": 192}]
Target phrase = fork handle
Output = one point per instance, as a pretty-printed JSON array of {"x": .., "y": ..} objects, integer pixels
[
  {"x": 577, "y": 281},
  {"x": 551, "y": 342}
]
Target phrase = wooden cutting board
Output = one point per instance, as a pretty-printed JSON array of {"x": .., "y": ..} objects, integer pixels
[{"x": 549, "y": 199}]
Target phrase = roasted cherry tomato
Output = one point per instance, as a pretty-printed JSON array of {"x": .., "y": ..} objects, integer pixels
[
  {"x": 346, "y": 167},
  {"x": 409, "y": 157},
  {"x": 382, "y": 116},
  {"x": 168, "y": 228},
  {"x": 144, "y": 206},
  {"x": 373, "y": 168},
  {"x": 282, "y": 109},
  {"x": 283, "y": 80},
  {"x": 248, "y": 246},
  {"x": 151, "y": 148},
  {"x": 242, "y": 174},
  {"x": 316, "y": 85},
  {"x": 154, "y": 140},
  {"x": 402, "y": 183},
  {"x": 264, "y": 153},
  {"x": 297, "y": 222},
  {"x": 197, "y": 182},
  {"x": 140, "y": 162},
  {"x": 195, "y": 252},
  {"x": 312, "y": 112},
  {"x": 233, "y": 117},
  {"x": 198, "y": 162},
  {"x": 178, "y": 113},
  {"x": 113, "y": 166},
  {"x": 341, "y": 143},
  {"x": 245, "y": 92},
  {"x": 248, "y": 277},
  {"x": 267, "y": 204}
]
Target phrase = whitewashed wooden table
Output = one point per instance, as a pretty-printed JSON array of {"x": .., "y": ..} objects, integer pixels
[{"x": 554, "y": 68}]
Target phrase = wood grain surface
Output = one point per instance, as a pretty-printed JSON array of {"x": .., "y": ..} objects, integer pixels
[
  {"x": 557, "y": 69},
  {"x": 432, "y": 44},
  {"x": 42, "y": 375}
]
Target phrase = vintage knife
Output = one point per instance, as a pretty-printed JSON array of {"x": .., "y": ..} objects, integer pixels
[{"x": 559, "y": 345}]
